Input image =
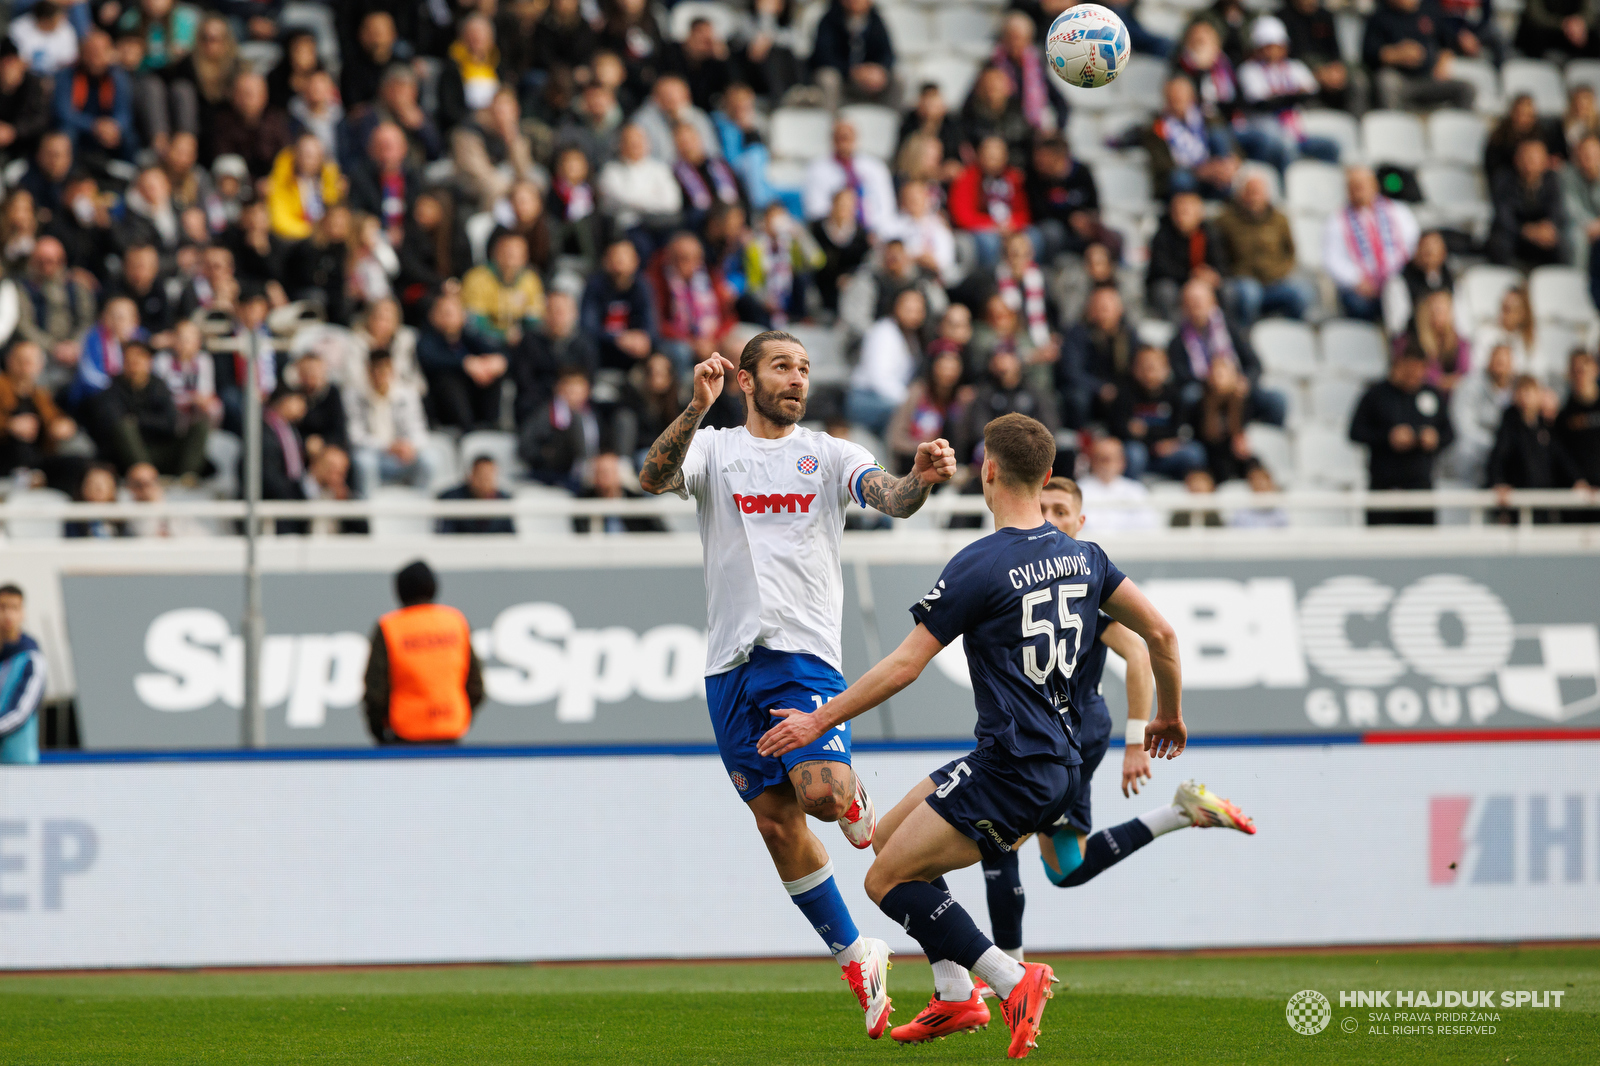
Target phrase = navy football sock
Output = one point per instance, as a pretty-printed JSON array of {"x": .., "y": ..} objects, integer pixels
[
  {"x": 1106, "y": 848},
  {"x": 936, "y": 921},
  {"x": 1003, "y": 881},
  {"x": 939, "y": 883}
]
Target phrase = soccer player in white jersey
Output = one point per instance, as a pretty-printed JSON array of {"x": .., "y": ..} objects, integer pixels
[{"x": 771, "y": 497}]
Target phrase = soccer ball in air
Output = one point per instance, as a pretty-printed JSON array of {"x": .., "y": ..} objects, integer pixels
[{"x": 1087, "y": 46}]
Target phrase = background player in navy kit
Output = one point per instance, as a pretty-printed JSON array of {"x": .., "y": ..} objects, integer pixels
[
  {"x": 1071, "y": 856},
  {"x": 1025, "y": 599}
]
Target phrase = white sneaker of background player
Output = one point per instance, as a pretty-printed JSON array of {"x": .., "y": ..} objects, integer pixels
[
  {"x": 869, "y": 980},
  {"x": 860, "y": 821}
]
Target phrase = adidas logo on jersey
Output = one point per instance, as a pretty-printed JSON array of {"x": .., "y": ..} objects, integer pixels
[
  {"x": 836, "y": 744},
  {"x": 735, "y": 467},
  {"x": 775, "y": 502}
]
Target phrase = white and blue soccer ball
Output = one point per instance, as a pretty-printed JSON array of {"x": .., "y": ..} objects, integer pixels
[{"x": 1087, "y": 46}]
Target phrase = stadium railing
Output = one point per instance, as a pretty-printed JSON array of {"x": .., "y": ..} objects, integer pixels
[{"x": 1473, "y": 506}]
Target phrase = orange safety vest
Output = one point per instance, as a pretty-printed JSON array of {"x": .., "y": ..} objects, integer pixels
[{"x": 430, "y": 651}]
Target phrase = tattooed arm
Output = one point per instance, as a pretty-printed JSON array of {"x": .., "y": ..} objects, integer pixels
[
  {"x": 663, "y": 464},
  {"x": 900, "y": 497}
]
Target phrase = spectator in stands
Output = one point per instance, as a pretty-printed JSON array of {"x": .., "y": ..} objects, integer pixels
[
  {"x": 1096, "y": 354},
  {"x": 84, "y": 228},
  {"x": 190, "y": 376},
  {"x": 491, "y": 151},
  {"x": 423, "y": 679},
  {"x": 32, "y": 428},
  {"x": 298, "y": 63},
  {"x": 381, "y": 330},
  {"x": 875, "y": 288},
  {"x": 1220, "y": 416},
  {"x": 574, "y": 221},
  {"x": 1577, "y": 426},
  {"x": 619, "y": 309},
  {"x": 1580, "y": 194},
  {"x": 1429, "y": 270},
  {"x": 1530, "y": 219},
  {"x": 283, "y": 457},
  {"x": 22, "y": 683},
  {"x": 384, "y": 184},
  {"x": 1433, "y": 332},
  {"x": 317, "y": 110},
  {"x": 482, "y": 483},
  {"x": 923, "y": 230},
  {"x": 397, "y": 103},
  {"x": 1468, "y": 28},
  {"x": 49, "y": 173},
  {"x": 1021, "y": 286},
  {"x": 328, "y": 478},
  {"x": 1205, "y": 335},
  {"x": 141, "y": 423},
  {"x": 46, "y": 37},
  {"x": 1405, "y": 424},
  {"x": 471, "y": 75},
  {"x": 930, "y": 410},
  {"x": 847, "y": 168},
  {"x": 150, "y": 217},
  {"x": 1274, "y": 89},
  {"x": 302, "y": 187},
  {"x": 1258, "y": 247},
  {"x": 1003, "y": 328},
  {"x": 1563, "y": 26},
  {"x": 1402, "y": 45},
  {"x": 655, "y": 400},
  {"x": 845, "y": 245},
  {"x": 94, "y": 104},
  {"x": 56, "y": 311},
  {"x": 258, "y": 253},
  {"x": 1153, "y": 422},
  {"x": 319, "y": 269},
  {"x": 1098, "y": 268},
  {"x": 1189, "y": 152},
  {"x": 669, "y": 106},
  {"x": 504, "y": 298},
  {"x": 1526, "y": 454},
  {"x": 742, "y": 135},
  {"x": 1477, "y": 407},
  {"x": 463, "y": 370},
  {"x": 362, "y": 66},
  {"x": 142, "y": 283},
  {"x": 325, "y": 422},
  {"x": 1063, "y": 200},
  {"x": 694, "y": 305},
  {"x": 248, "y": 128},
  {"x": 99, "y": 485},
  {"x": 1582, "y": 118},
  {"x": 1514, "y": 328},
  {"x": 1022, "y": 61},
  {"x": 249, "y": 331},
  {"x": 639, "y": 192},
  {"x": 1002, "y": 390},
  {"x": 852, "y": 59},
  {"x": 558, "y": 343},
  {"x": 1107, "y": 483},
  {"x": 1366, "y": 244},
  {"x": 778, "y": 259},
  {"x": 705, "y": 180},
  {"x": 989, "y": 202},
  {"x": 1185, "y": 247},
  {"x": 24, "y": 107},
  {"x": 100, "y": 356},
  {"x": 701, "y": 60},
  {"x": 602, "y": 479},
  {"x": 994, "y": 109},
  {"x": 890, "y": 353}
]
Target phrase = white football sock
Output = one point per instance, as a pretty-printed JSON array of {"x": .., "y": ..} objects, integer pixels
[
  {"x": 1000, "y": 970},
  {"x": 1165, "y": 819},
  {"x": 1015, "y": 953},
  {"x": 856, "y": 952},
  {"x": 951, "y": 981}
]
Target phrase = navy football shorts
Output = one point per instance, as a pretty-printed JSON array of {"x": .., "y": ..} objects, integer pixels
[
  {"x": 741, "y": 703},
  {"x": 1079, "y": 816},
  {"x": 997, "y": 799}
]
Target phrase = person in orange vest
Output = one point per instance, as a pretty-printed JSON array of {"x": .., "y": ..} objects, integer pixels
[{"x": 423, "y": 678}]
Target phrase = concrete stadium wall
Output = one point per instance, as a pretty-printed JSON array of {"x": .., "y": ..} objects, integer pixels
[{"x": 385, "y": 860}]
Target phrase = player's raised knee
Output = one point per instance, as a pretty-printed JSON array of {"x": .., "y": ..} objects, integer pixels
[{"x": 824, "y": 789}]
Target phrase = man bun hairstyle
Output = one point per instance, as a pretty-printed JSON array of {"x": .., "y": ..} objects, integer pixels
[
  {"x": 1022, "y": 448},
  {"x": 756, "y": 347}
]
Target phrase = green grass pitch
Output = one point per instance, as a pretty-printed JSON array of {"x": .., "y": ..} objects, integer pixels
[{"x": 1184, "y": 1009}]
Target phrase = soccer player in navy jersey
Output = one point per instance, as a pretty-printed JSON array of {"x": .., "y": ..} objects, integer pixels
[
  {"x": 1025, "y": 599},
  {"x": 1071, "y": 855}
]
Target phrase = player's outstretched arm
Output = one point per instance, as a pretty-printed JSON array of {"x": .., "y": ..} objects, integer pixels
[
  {"x": 898, "y": 669},
  {"x": 662, "y": 470},
  {"x": 900, "y": 497},
  {"x": 1141, "y": 685},
  {"x": 1166, "y": 736}
]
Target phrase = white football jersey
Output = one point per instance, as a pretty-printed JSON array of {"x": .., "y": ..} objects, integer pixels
[{"x": 771, "y": 516}]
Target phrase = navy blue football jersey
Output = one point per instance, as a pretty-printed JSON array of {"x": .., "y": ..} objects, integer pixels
[{"x": 1026, "y": 602}]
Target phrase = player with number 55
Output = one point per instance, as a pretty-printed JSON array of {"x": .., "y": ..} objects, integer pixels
[{"x": 1022, "y": 598}]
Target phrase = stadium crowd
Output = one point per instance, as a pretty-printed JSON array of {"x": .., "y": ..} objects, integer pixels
[{"x": 478, "y": 246}]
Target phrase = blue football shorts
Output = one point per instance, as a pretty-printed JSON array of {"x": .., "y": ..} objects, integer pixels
[{"x": 741, "y": 702}]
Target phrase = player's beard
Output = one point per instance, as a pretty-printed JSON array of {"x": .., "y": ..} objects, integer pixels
[{"x": 770, "y": 406}]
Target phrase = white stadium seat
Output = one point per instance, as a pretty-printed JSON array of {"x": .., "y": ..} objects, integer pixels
[
  {"x": 1123, "y": 187},
  {"x": 954, "y": 74},
  {"x": 877, "y": 128},
  {"x": 1308, "y": 232},
  {"x": 1560, "y": 294},
  {"x": 724, "y": 19},
  {"x": 1333, "y": 401},
  {"x": 500, "y": 446},
  {"x": 479, "y": 227},
  {"x": 1141, "y": 82},
  {"x": 801, "y": 132},
  {"x": 1538, "y": 78},
  {"x": 1325, "y": 458},
  {"x": 1481, "y": 75},
  {"x": 967, "y": 30},
  {"x": 1271, "y": 445},
  {"x": 1286, "y": 347},
  {"x": 1582, "y": 72},
  {"x": 1481, "y": 289},
  {"x": 1392, "y": 137},
  {"x": 1337, "y": 126},
  {"x": 786, "y": 175},
  {"x": 1354, "y": 349},
  {"x": 394, "y": 526},
  {"x": 1457, "y": 137},
  {"x": 1314, "y": 188},
  {"x": 22, "y": 526},
  {"x": 1455, "y": 194},
  {"x": 909, "y": 28},
  {"x": 542, "y": 527}
]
